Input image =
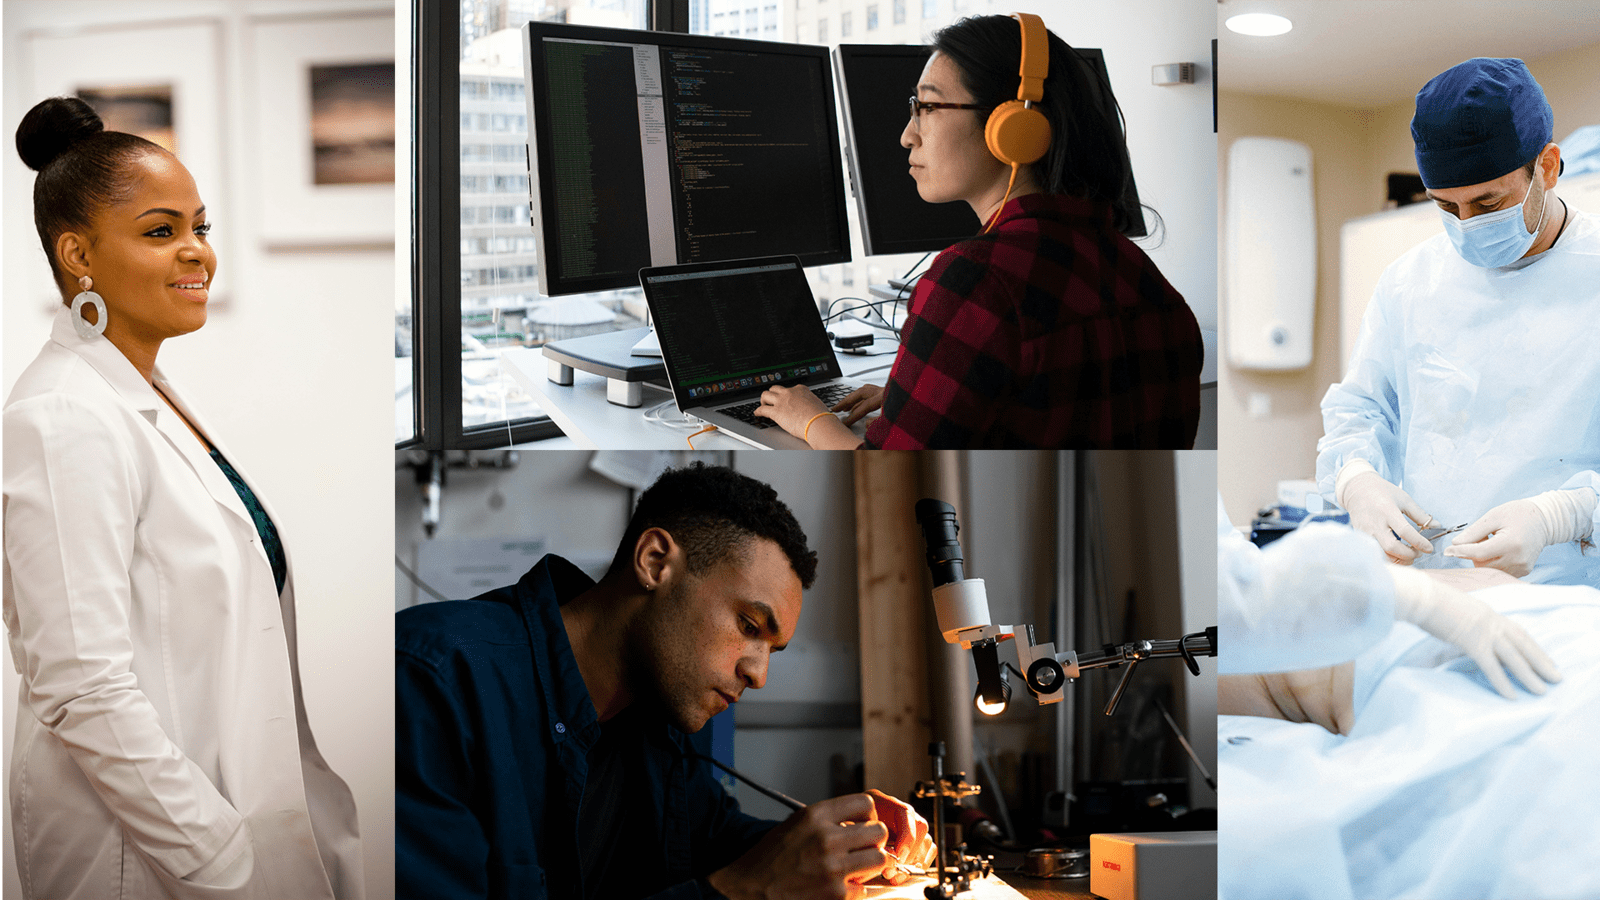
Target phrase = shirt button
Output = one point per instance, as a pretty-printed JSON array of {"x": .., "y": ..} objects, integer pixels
[{"x": 560, "y": 728}]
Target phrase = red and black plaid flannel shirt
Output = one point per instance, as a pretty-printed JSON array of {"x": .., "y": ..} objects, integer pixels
[{"x": 1052, "y": 330}]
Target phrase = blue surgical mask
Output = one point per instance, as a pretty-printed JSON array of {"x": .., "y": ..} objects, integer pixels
[{"x": 1494, "y": 239}]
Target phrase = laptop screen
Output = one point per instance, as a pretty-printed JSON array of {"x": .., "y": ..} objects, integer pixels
[{"x": 737, "y": 327}]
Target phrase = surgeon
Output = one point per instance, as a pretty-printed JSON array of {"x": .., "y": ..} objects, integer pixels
[
  {"x": 1473, "y": 394},
  {"x": 1295, "y": 615}
]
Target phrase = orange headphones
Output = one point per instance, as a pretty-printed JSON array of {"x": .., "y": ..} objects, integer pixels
[{"x": 1017, "y": 133}]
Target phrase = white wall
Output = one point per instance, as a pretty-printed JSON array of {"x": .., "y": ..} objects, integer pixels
[{"x": 293, "y": 374}]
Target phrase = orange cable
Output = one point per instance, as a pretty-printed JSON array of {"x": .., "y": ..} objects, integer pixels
[{"x": 1009, "y": 185}]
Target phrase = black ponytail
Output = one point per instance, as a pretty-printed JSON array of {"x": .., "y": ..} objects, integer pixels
[{"x": 82, "y": 167}]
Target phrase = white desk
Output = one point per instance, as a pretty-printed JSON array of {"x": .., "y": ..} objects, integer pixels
[{"x": 582, "y": 412}]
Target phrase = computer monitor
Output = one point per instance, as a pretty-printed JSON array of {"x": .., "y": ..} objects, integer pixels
[
  {"x": 874, "y": 81},
  {"x": 656, "y": 148}
]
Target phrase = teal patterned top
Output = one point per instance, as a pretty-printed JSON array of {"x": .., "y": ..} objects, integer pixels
[{"x": 264, "y": 526}]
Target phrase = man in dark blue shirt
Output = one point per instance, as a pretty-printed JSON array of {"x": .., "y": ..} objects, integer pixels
[{"x": 541, "y": 744}]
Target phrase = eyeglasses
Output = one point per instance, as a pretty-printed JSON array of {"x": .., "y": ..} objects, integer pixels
[{"x": 918, "y": 106}]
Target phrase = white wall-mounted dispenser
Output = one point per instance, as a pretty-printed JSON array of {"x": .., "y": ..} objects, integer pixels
[{"x": 1270, "y": 284}]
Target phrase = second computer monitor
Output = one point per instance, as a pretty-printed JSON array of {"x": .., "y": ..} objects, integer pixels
[
  {"x": 875, "y": 81},
  {"x": 655, "y": 148}
]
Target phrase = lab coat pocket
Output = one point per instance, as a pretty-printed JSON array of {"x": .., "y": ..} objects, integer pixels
[
  {"x": 523, "y": 881},
  {"x": 137, "y": 879},
  {"x": 230, "y": 875}
]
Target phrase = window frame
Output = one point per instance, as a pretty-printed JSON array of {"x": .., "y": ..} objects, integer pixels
[{"x": 436, "y": 229}]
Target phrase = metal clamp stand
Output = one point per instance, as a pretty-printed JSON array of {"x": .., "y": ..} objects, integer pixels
[
  {"x": 1200, "y": 643},
  {"x": 965, "y": 868}
]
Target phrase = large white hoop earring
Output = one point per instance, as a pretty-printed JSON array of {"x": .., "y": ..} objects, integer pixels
[{"x": 84, "y": 328}]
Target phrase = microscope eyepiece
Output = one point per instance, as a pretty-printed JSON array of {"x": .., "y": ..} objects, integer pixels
[{"x": 940, "y": 530}]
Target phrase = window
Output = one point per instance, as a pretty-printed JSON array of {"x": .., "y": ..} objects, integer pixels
[{"x": 475, "y": 260}]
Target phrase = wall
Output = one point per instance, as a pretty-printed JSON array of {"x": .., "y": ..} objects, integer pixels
[
  {"x": 294, "y": 376},
  {"x": 1256, "y": 452},
  {"x": 1352, "y": 150}
]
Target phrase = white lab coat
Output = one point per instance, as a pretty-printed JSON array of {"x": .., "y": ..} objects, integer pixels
[
  {"x": 1471, "y": 387},
  {"x": 1318, "y": 596},
  {"x": 160, "y": 728}
]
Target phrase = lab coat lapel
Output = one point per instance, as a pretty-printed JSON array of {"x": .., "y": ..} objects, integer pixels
[
  {"x": 110, "y": 364},
  {"x": 184, "y": 441}
]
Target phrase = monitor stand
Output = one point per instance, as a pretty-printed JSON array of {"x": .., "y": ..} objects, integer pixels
[{"x": 610, "y": 356}]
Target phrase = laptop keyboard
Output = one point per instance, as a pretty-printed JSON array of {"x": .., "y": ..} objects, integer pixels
[{"x": 746, "y": 412}]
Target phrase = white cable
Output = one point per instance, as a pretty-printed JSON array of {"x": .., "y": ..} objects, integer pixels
[{"x": 658, "y": 415}]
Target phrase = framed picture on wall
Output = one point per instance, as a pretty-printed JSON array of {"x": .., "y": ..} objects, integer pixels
[
  {"x": 172, "y": 98},
  {"x": 322, "y": 95}
]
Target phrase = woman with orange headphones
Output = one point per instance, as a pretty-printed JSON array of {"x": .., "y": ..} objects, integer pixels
[{"x": 1049, "y": 328}]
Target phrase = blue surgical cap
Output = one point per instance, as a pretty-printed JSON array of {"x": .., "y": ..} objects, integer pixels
[{"x": 1478, "y": 121}]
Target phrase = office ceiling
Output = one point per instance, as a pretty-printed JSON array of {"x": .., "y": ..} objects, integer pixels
[{"x": 1376, "y": 52}]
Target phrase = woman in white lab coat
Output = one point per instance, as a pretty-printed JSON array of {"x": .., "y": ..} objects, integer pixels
[{"x": 162, "y": 748}]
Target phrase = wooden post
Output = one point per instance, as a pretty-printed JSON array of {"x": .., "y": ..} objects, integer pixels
[{"x": 895, "y": 618}]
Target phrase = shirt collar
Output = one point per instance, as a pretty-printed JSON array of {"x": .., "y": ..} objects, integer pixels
[
  {"x": 540, "y": 593},
  {"x": 1054, "y": 206}
]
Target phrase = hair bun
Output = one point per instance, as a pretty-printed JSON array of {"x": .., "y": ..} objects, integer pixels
[{"x": 52, "y": 127}]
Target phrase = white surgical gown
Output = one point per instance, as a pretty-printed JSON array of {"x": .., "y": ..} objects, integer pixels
[
  {"x": 1471, "y": 387},
  {"x": 1318, "y": 596}
]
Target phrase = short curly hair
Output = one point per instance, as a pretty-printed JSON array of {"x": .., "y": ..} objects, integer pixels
[{"x": 713, "y": 512}]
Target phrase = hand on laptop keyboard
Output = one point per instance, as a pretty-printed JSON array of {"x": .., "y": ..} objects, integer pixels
[
  {"x": 746, "y": 412},
  {"x": 859, "y": 403}
]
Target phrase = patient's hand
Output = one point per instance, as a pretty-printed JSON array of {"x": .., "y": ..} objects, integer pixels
[
  {"x": 1499, "y": 646},
  {"x": 1324, "y": 696}
]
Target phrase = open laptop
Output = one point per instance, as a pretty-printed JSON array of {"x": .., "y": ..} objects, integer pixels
[{"x": 730, "y": 330}]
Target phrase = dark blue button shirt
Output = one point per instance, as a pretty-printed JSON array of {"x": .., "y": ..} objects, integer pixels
[{"x": 493, "y": 725}]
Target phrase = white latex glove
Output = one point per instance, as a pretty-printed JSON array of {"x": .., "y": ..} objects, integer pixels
[
  {"x": 1511, "y": 536},
  {"x": 1383, "y": 511},
  {"x": 1494, "y": 642}
]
